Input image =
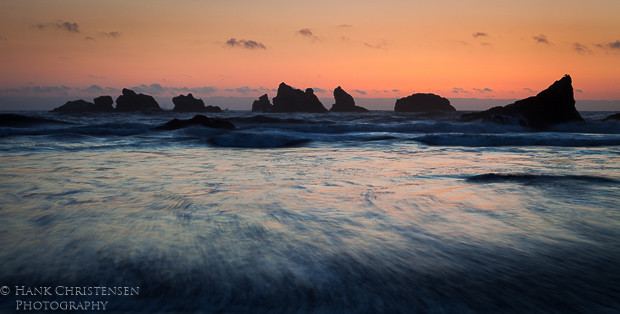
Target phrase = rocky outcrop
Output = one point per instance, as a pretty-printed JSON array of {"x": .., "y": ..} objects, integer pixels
[
  {"x": 345, "y": 102},
  {"x": 130, "y": 101},
  {"x": 102, "y": 104},
  {"x": 615, "y": 116},
  {"x": 188, "y": 103},
  {"x": 262, "y": 104},
  {"x": 176, "y": 124},
  {"x": 422, "y": 102},
  {"x": 556, "y": 104},
  {"x": 290, "y": 99}
]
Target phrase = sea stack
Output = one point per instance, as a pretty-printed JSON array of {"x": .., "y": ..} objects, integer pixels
[
  {"x": 345, "y": 102},
  {"x": 102, "y": 104},
  {"x": 556, "y": 104},
  {"x": 130, "y": 101},
  {"x": 423, "y": 102},
  {"x": 188, "y": 103},
  {"x": 290, "y": 99},
  {"x": 262, "y": 104}
]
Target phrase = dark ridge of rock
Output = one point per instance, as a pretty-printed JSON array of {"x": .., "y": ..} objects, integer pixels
[
  {"x": 20, "y": 121},
  {"x": 104, "y": 102},
  {"x": 262, "y": 104},
  {"x": 556, "y": 104},
  {"x": 615, "y": 116},
  {"x": 176, "y": 124},
  {"x": 188, "y": 103},
  {"x": 423, "y": 102},
  {"x": 213, "y": 109},
  {"x": 345, "y": 102},
  {"x": 291, "y": 99},
  {"x": 75, "y": 106},
  {"x": 130, "y": 101}
]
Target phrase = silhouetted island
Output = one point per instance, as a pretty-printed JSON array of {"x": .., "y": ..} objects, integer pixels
[
  {"x": 345, "y": 102},
  {"x": 188, "y": 103},
  {"x": 290, "y": 99},
  {"x": 102, "y": 104},
  {"x": 130, "y": 101},
  {"x": 199, "y": 119},
  {"x": 615, "y": 116},
  {"x": 262, "y": 104},
  {"x": 423, "y": 102},
  {"x": 556, "y": 104}
]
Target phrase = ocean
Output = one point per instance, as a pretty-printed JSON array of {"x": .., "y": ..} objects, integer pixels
[{"x": 376, "y": 212}]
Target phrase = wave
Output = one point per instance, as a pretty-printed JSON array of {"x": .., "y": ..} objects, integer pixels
[
  {"x": 249, "y": 140},
  {"x": 533, "y": 179},
  {"x": 520, "y": 139},
  {"x": 21, "y": 121}
]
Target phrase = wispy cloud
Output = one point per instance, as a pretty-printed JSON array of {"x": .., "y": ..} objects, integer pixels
[
  {"x": 614, "y": 45},
  {"x": 63, "y": 26},
  {"x": 111, "y": 34},
  {"x": 541, "y": 39},
  {"x": 529, "y": 90},
  {"x": 305, "y": 32},
  {"x": 581, "y": 48},
  {"x": 243, "y": 90},
  {"x": 382, "y": 45},
  {"x": 458, "y": 90},
  {"x": 2, "y": 38},
  {"x": 483, "y": 90},
  {"x": 89, "y": 38},
  {"x": 480, "y": 34},
  {"x": 361, "y": 92},
  {"x": 345, "y": 25},
  {"x": 246, "y": 44},
  {"x": 579, "y": 91}
]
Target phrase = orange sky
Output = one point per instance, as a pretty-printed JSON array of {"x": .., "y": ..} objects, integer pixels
[{"x": 388, "y": 49}]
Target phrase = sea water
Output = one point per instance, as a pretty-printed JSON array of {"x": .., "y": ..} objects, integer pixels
[{"x": 305, "y": 213}]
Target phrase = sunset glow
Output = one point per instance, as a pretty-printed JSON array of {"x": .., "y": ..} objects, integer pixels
[{"x": 374, "y": 49}]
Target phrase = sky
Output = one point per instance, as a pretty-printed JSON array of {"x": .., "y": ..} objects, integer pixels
[{"x": 482, "y": 49}]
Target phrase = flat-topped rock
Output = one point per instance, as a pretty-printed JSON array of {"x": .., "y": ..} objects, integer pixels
[
  {"x": 554, "y": 105},
  {"x": 102, "y": 104},
  {"x": 423, "y": 102}
]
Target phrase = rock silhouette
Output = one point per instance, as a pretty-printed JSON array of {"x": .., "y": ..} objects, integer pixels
[
  {"x": 188, "y": 103},
  {"x": 130, "y": 101},
  {"x": 615, "y": 116},
  {"x": 102, "y": 104},
  {"x": 556, "y": 104},
  {"x": 345, "y": 102},
  {"x": 423, "y": 102},
  {"x": 176, "y": 124},
  {"x": 262, "y": 104},
  {"x": 290, "y": 99}
]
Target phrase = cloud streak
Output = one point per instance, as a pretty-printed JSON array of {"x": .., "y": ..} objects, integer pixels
[
  {"x": 614, "y": 45},
  {"x": 581, "y": 48},
  {"x": 62, "y": 26},
  {"x": 541, "y": 39},
  {"x": 246, "y": 44},
  {"x": 480, "y": 34},
  {"x": 111, "y": 34}
]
